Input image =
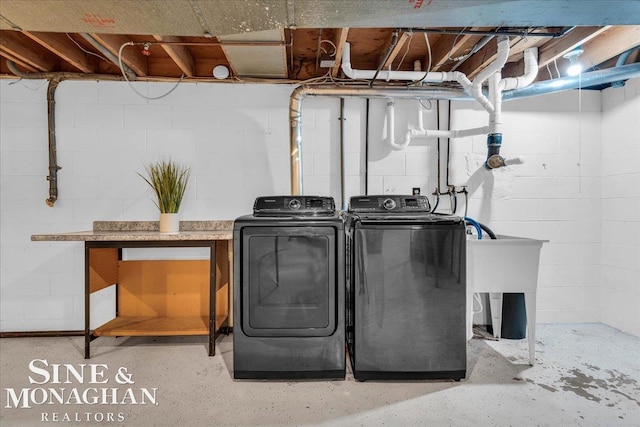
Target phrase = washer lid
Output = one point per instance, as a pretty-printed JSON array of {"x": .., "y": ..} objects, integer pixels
[
  {"x": 389, "y": 204},
  {"x": 294, "y": 206}
]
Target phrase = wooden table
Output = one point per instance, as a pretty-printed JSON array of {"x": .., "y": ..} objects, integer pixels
[{"x": 162, "y": 297}]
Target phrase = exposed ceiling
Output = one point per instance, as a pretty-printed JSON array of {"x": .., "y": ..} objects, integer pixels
[{"x": 298, "y": 40}]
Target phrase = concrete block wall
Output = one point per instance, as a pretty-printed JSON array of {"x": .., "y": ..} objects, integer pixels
[
  {"x": 235, "y": 137},
  {"x": 620, "y": 192},
  {"x": 554, "y": 195}
]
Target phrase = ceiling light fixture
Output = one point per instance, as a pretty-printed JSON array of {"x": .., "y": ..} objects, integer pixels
[
  {"x": 574, "y": 68},
  {"x": 220, "y": 72}
]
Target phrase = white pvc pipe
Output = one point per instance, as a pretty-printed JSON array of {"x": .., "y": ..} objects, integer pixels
[
  {"x": 456, "y": 133},
  {"x": 495, "y": 96},
  {"x": 417, "y": 76},
  {"x": 391, "y": 128},
  {"x": 491, "y": 69},
  {"x": 530, "y": 72},
  {"x": 518, "y": 160}
]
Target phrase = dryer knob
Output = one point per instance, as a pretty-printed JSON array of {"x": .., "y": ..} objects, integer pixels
[
  {"x": 389, "y": 204},
  {"x": 294, "y": 204}
]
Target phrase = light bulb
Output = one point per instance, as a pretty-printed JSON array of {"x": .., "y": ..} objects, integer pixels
[{"x": 574, "y": 69}]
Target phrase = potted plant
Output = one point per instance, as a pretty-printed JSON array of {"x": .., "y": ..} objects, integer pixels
[{"x": 168, "y": 180}]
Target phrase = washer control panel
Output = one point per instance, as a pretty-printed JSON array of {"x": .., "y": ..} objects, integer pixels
[
  {"x": 389, "y": 203},
  {"x": 293, "y": 205}
]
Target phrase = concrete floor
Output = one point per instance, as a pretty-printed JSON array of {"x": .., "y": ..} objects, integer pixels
[{"x": 586, "y": 375}]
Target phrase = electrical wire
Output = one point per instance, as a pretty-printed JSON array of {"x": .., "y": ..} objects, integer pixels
[
  {"x": 21, "y": 83},
  {"x": 426, "y": 39},
  {"x": 335, "y": 49},
  {"x": 454, "y": 44},
  {"x": 85, "y": 50},
  {"x": 149, "y": 98},
  {"x": 424, "y": 106},
  {"x": 555, "y": 63},
  {"x": 405, "y": 52}
]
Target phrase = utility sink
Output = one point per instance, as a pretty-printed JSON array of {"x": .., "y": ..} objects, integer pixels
[{"x": 506, "y": 264}]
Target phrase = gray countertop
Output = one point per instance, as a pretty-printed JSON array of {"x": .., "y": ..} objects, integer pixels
[{"x": 144, "y": 231}]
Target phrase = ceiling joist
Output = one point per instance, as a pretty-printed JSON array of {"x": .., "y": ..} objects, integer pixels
[
  {"x": 11, "y": 43},
  {"x": 65, "y": 48},
  {"x": 179, "y": 54},
  {"x": 130, "y": 57}
]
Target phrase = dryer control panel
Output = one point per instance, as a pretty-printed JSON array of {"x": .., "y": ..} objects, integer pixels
[
  {"x": 293, "y": 205},
  {"x": 389, "y": 203}
]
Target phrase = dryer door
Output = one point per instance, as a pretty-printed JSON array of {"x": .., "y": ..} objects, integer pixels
[{"x": 288, "y": 281}]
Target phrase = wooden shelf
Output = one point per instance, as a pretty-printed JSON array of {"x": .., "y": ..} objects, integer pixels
[
  {"x": 160, "y": 297},
  {"x": 157, "y": 326}
]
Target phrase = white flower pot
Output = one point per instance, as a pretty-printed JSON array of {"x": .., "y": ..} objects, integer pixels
[{"x": 169, "y": 223}]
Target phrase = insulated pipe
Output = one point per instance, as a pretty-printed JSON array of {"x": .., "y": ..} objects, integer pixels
[
  {"x": 592, "y": 78},
  {"x": 53, "y": 156},
  {"x": 621, "y": 61},
  {"x": 107, "y": 53},
  {"x": 295, "y": 143},
  {"x": 57, "y": 75},
  {"x": 301, "y": 92}
]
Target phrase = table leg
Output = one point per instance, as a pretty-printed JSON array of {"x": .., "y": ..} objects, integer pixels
[
  {"x": 212, "y": 300},
  {"x": 87, "y": 303}
]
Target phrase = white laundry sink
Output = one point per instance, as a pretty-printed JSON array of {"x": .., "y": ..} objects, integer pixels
[{"x": 506, "y": 264}]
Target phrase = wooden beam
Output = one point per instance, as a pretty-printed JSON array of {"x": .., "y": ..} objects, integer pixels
[
  {"x": 179, "y": 54},
  {"x": 64, "y": 48},
  {"x": 556, "y": 48},
  {"x": 396, "y": 50},
  {"x": 130, "y": 56},
  {"x": 17, "y": 61},
  {"x": 341, "y": 39},
  {"x": 447, "y": 46},
  {"x": 609, "y": 43},
  {"x": 12, "y": 45},
  {"x": 478, "y": 61}
]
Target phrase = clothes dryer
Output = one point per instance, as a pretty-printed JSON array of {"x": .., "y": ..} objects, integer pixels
[{"x": 289, "y": 290}]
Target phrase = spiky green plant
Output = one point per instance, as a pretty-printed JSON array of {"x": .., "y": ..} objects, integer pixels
[{"x": 168, "y": 180}]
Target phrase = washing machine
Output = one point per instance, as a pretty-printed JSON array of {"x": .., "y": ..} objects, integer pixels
[
  {"x": 289, "y": 290},
  {"x": 406, "y": 290}
]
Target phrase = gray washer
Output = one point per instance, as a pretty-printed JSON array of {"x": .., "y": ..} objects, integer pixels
[{"x": 406, "y": 290}]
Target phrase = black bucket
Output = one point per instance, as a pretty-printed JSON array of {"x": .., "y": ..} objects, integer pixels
[{"x": 514, "y": 316}]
